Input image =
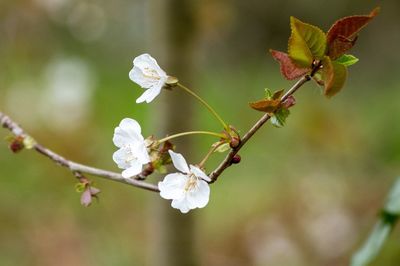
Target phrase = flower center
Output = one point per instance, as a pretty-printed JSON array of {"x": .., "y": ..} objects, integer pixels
[
  {"x": 129, "y": 155},
  {"x": 151, "y": 73},
  {"x": 191, "y": 183}
]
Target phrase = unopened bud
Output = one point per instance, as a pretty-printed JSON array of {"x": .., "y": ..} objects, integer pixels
[
  {"x": 17, "y": 144},
  {"x": 289, "y": 102},
  {"x": 236, "y": 159},
  {"x": 234, "y": 143},
  {"x": 171, "y": 81},
  {"x": 148, "y": 170}
]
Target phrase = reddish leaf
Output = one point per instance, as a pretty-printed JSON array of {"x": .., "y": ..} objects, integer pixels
[
  {"x": 334, "y": 75},
  {"x": 265, "y": 105},
  {"x": 288, "y": 69},
  {"x": 339, "y": 46},
  {"x": 343, "y": 33}
]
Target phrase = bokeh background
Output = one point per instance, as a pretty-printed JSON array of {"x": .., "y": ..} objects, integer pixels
[{"x": 306, "y": 194}]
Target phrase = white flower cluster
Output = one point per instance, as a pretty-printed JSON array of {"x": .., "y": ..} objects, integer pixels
[
  {"x": 188, "y": 189},
  {"x": 132, "y": 153}
]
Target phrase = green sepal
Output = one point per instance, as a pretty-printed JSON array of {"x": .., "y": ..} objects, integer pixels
[
  {"x": 80, "y": 187},
  {"x": 162, "y": 169},
  {"x": 222, "y": 148}
]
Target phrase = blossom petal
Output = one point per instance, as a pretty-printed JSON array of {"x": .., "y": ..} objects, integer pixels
[
  {"x": 199, "y": 173},
  {"x": 181, "y": 204},
  {"x": 142, "y": 154},
  {"x": 173, "y": 186},
  {"x": 150, "y": 94},
  {"x": 137, "y": 76},
  {"x": 147, "y": 61},
  {"x": 127, "y": 132},
  {"x": 179, "y": 162},
  {"x": 130, "y": 124},
  {"x": 134, "y": 169},
  {"x": 199, "y": 197},
  {"x": 119, "y": 158}
]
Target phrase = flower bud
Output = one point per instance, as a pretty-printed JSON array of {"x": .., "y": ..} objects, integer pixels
[
  {"x": 17, "y": 144},
  {"x": 289, "y": 102},
  {"x": 148, "y": 170},
  {"x": 236, "y": 159},
  {"x": 171, "y": 81},
  {"x": 234, "y": 143}
]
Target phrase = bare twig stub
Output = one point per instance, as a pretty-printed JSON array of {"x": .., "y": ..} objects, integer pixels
[{"x": 74, "y": 167}]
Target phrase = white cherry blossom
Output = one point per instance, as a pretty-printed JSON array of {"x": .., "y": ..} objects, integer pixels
[
  {"x": 132, "y": 153},
  {"x": 188, "y": 188},
  {"x": 148, "y": 75}
]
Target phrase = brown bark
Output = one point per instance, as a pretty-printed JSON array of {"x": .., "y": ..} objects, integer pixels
[{"x": 172, "y": 38}]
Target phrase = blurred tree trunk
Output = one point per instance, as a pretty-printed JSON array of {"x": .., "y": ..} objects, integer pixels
[{"x": 171, "y": 40}]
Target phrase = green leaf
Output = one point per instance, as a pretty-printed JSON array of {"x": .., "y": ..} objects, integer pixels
[
  {"x": 268, "y": 93},
  {"x": 279, "y": 117},
  {"x": 347, "y": 60},
  {"x": 306, "y": 43},
  {"x": 382, "y": 229},
  {"x": 373, "y": 245},
  {"x": 343, "y": 33},
  {"x": 393, "y": 201},
  {"x": 334, "y": 76}
]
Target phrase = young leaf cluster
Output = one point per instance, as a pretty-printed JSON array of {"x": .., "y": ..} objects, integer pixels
[
  {"x": 272, "y": 104},
  {"x": 309, "y": 46}
]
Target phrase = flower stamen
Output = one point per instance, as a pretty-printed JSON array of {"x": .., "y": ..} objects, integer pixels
[
  {"x": 151, "y": 73},
  {"x": 191, "y": 183}
]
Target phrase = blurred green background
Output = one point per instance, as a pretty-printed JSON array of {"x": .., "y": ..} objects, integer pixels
[{"x": 306, "y": 194}]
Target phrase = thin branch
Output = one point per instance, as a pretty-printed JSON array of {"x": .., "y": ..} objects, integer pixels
[
  {"x": 8, "y": 123},
  {"x": 135, "y": 181},
  {"x": 227, "y": 161}
]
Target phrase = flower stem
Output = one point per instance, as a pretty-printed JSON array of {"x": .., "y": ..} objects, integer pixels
[
  {"x": 213, "y": 148},
  {"x": 228, "y": 158},
  {"x": 219, "y": 135},
  {"x": 206, "y": 105}
]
